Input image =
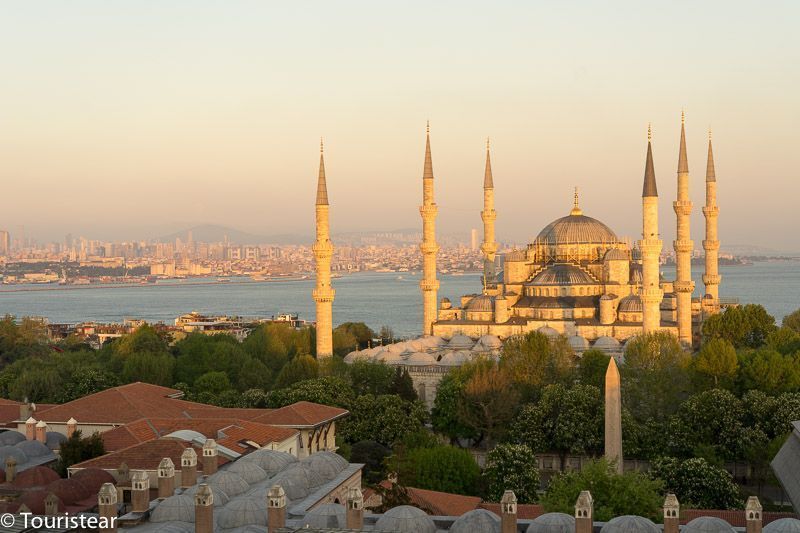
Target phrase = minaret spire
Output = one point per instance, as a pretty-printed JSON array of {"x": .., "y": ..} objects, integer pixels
[
  {"x": 576, "y": 208},
  {"x": 711, "y": 277},
  {"x": 650, "y": 246},
  {"x": 683, "y": 245},
  {"x": 323, "y": 293},
  {"x": 429, "y": 284},
  {"x": 488, "y": 215}
]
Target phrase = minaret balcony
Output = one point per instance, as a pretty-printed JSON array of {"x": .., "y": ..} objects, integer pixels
[
  {"x": 683, "y": 247},
  {"x": 489, "y": 248},
  {"x": 429, "y": 285},
  {"x": 651, "y": 296},
  {"x": 322, "y": 248},
  {"x": 710, "y": 246},
  {"x": 711, "y": 279},
  {"x": 682, "y": 207},
  {"x": 711, "y": 211},
  {"x": 683, "y": 286},
  {"x": 653, "y": 246},
  {"x": 428, "y": 210},
  {"x": 428, "y": 247},
  {"x": 488, "y": 215},
  {"x": 323, "y": 295}
]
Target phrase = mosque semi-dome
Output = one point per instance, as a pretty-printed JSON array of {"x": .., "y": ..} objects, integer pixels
[
  {"x": 576, "y": 228},
  {"x": 563, "y": 274}
]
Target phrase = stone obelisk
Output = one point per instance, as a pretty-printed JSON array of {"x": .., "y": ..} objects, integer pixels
[{"x": 613, "y": 430}]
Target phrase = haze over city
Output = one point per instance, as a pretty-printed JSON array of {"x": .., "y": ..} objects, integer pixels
[{"x": 150, "y": 120}]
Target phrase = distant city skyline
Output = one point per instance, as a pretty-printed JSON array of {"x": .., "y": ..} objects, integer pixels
[{"x": 201, "y": 113}]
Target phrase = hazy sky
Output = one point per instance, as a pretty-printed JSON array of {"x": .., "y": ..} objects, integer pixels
[{"x": 133, "y": 119}]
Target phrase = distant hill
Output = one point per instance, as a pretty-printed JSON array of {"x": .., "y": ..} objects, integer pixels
[
  {"x": 213, "y": 233},
  {"x": 755, "y": 250}
]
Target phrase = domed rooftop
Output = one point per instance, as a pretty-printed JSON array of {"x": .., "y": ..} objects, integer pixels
[
  {"x": 93, "y": 478},
  {"x": 405, "y": 519},
  {"x": 388, "y": 357},
  {"x": 615, "y": 254},
  {"x": 578, "y": 343},
  {"x": 10, "y": 438},
  {"x": 606, "y": 343},
  {"x": 420, "y": 359},
  {"x": 177, "y": 508},
  {"x": 552, "y": 523},
  {"x": 327, "y": 516},
  {"x": 243, "y": 512},
  {"x": 362, "y": 355},
  {"x": 38, "y": 476},
  {"x": 416, "y": 345},
  {"x": 707, "y": 524},
  {"x": 220, "y": 497},
  {"x": 491, "y": 342},
  {"x": 271, "y": 461},
  {"x": 33, "y": 448},
  {"x": 460, "y": 342},
  {"x": 481, "y": 303},
  {"x": 631, "y": 304},
  {"x": 12, "y": 451},
  {"x": 432, "y": 341},
  {"x": 576, "y": 228},
  {"x": 563, "y": 274},
  {"x": 228, "y": 482},
  {"x": 784, "y": 525},
  {"x": 547, "y": 331},
  {"x": 630, "y": 524},
  {"x": 398, "y": 347},
  {"x": 454, "y": 358},
  {"x": 34, "y": 500},
  {"x": 326, "y": 464},
  {"x": 68, "y": 490},
  {"x": 248, "y": 470},
  {"x": 476, "y": 521},
  {"x": 54, "y": 440}
]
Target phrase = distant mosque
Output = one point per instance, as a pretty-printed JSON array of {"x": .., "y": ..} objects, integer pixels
[{"x": 577, "y": 278}]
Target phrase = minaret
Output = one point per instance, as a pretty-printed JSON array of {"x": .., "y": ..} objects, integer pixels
[
  {"x": 428, "y": 247},
  {"x": 613, "y": 418},
  {"x": 711, "y": 278},
  {"x": 683, "y": 245},
  {"x": 323, "y": 251},
  {"x": 650, "y": 247},
  {"x": 488, "y": 215}
]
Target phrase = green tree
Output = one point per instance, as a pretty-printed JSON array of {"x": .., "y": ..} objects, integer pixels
[
  {"x": 792, "y": 321},
  {"x": 385, "y": 419},
  {"x": 712, "y": 420},
  {"x": 300, "y": 368},
  {"x": 512, "y": 467},
  {"x": 402, "y": 385},
  {"x": 442, "y": 468},
  {"x": 696, "y": 483},
  {"x": 785, "y": 340},
  {"x": 87, "y": 382},
  {"x": 328, "y": 390},
  {"x": 631, "y": 493},
  {"x": 746, "y": 326},
  {"x": 149, "y": 367},
  {"x": 144, "y": 340},
  {"x": 534, "y": 360},
  {"x": 488, "y": 401},
  {"x": 77, "y": 449},
  {"x": 716, "y": 362},
  {"x": 212, "y": 382},
  {"x": 769, "y": 371},
  {"x": 444, "y": 415},
  {"x": 592, "y": 367},
  {"x": 368, "y": 377},
  {"x": 563, "y": 421},
  {"x": 358, "y": 331},
  {"x": 373, "y": 455}
]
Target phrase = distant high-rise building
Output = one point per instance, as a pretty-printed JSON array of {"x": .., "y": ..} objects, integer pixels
[
  {"x": 5, "y": 243},
  {"x": 473, "y": 245}
]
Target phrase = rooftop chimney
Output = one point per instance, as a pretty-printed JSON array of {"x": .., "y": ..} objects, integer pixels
[
  {"x": 51, "y": 505},
  {"x": 210, "y": 457},
  {"x": 107, "y": 505},
  {"x": 188, "y": 468},
  {"x": 140, "y": 491},
  {"x": 508, "y": 512},
  {"x": 355, "y": 509},
  {"x": 30, "y": 428},
  {"x": 584, "y": 513},
  {"x": 204, "y": 510},
  {"x": 72, "y": 426},
  {"x": 672, "y": 513},
  {"x": 11, "y": 469},
  {"x": 752, "y": 512},
  {"x": 276, "y": 509},
  {"x": 41, "y": 431},
  {"x": 166, "y": 478}
]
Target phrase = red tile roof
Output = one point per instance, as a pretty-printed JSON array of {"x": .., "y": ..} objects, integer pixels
[
  {"x": 734, "y": 518},
  {"x": 442, "y": 503},
  {"x": 301, "y": 414},
  {"x": 525, "y": 511},
  {"x": 144, "y": 456}
]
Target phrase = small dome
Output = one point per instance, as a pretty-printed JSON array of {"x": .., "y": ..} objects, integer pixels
[
  {"x": 361, "y": 355},
  {"x": 515, "y": 256},
  {"x": 563, "y": 274},
  {"x": 405, "y": 519},
  {"x": 228, "y": 482},
  {"x": 615, "y": 254},
  {"x": 388, "y": 357},
  {"x": 476, "y": 521},
  {"x": 420, "y": 359},
  {"x": 460, "y": 342},
  {"x": 33, "y": 448},
  {"x": 93, "y": 478},
  {"x": 326, "y": 464},
  {"x": 708, "y": 524},
  {"x": 327, "y": 516},
  {"x": 271, "y": 461},
  {"x": 630, "y": 304},
  {"x": 548, "y": 332},
  {"x": 306, "y": 473},
  {"x": 397, "y": 348},
  {"x": 552, "y": 523},
  {"x": 783, "y": 525},
  {"x": 38, "y": 476},
  {"x": 34, "y": 500},
  {"x": 481, "y": 303},
  {"x": 630, "y": 524},
  {"x": 54, "y": 440},
  {"x": 12, "y": 451},
  {"x": 175, "y": 527},
  {"x": 177, "y": 508},
  {"x": 607, "y": 297},
  {"x": 578, "y": 343},
  {"x": 456, "y": 358},
  {"x": 491, "y": 342},
  {"x": 249, "y": 471},
  {"x": 606, "y": 343},
  {"x": 68, "y": 490},
  {"x": 243, "y": 512},
  {"x": 416, "y": 345},
  {"x": 10, "y": 438},
  {"x": 295, "y": 488}
]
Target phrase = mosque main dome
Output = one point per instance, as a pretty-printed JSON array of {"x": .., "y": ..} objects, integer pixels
[{"x": 576, "y": 228}]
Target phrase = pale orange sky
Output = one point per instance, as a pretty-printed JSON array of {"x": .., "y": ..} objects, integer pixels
[{"x": 132, "y": 120}]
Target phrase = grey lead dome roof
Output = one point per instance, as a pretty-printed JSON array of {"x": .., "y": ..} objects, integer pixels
[
  {"x": 228, "y": 482},
  {"x": 630, "y": 524},
  {"x": 784, "y": 525},
  {"x": 405, "y": 519},
  {"x": 552, "y": 523},
  {"x": 250, "y": 471},
  {"x": 563, "y": 274},
  {"x": 177, "y": 508},
  {"x": 326, "y": 464},
  {"x": 576, "y": 229},
  {"x": 270, "y": 461},
  {"x": 708, "y": 524},
  {"x": 11, "y": 438},
  {"x": 328, "y": 516},
  {"x": 243, "y": 512},
  {"x": 476, "y": 521}
]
